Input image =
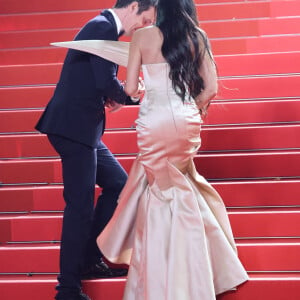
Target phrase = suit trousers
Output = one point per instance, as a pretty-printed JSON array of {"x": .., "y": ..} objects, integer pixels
[{"x": 82, "y": 168}]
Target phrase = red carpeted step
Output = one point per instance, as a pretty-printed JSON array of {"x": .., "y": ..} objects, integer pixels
[
  {"x": 262, "y": 287},
  {"x": 259, "y": 193},
  {"x": 253, "y": 165},
  {"x": 8, "y": 6},
  {"x": 35, "y": 74},
  {"x": 36, "y": 38},
  {"x": 259, "y": 287},
  {"x": 15, "y": 75},
  {"x": 234, "y": 194},
  {"x": 275, "y": 164},
  {"x": 228, "y": 29},
  {"x": 27, "y": 199},
  {"x": 249, "y": 138},
  {"x": 224, "y": 113},
  {"x": 284, "y": 8},
  {"x": 248, "y": 9},
  {"x": 22, "y": 146},
  {"x": 17, "y": 287},
  {"x": 124, "y": 142},
  {"x": 31, "y": 171},
  {"x": 255, "y": 257},
  {"x": 76, "y": 19},
  {"x": 245, "y": 224},
  {"x": 268, "y": 44},
  {"x": 205, "y": 11},
  {"x": 25, "y": 97},
  {"x": 250, "y": 64},
  {"x": 279, "y": 25},
  {"x": 259, "y": 87},
  {"x": 251, "y": 27},
  {"x": 270, "y": 257},
  {"x": 45, "y": 20},
  {"x": 50, "y": 20},
  {"x": 48, "y": 54},
  {"x": 32, "y": 56},
  {"x": 260, "y": 223},
  {"x": 42, "y": 21},
  {"x": 29, "y": 259},
  {"x": 233, "y": 88},
  {"x": 278, "y": 43},
  {"x": 31, "y": 228},
  {"x": 211, "y": 11},
  {"x": 258, "y": 63},
  {"x": 17, "y": 121}
]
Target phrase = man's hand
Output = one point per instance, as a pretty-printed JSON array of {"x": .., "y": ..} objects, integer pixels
[{"x": 113, "y": 106}]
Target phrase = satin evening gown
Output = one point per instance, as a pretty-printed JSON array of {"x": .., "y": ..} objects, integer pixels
[{"x": 170, "y": 225}]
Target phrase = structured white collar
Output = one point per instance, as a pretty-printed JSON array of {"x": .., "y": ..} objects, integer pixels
[{"x": 117, "y": 20}]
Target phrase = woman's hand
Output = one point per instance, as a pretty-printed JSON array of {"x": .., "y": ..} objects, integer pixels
[{"x": 140, "y": 91}]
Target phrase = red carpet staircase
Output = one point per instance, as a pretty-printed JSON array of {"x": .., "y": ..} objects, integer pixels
[{"x": 250, "y": 152}]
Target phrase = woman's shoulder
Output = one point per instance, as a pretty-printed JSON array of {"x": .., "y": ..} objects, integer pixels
[
  {"x": 203, "y": 33},
  {"x": 151, "y": 28},
  {"x": 146, "y": 32},
  {"x": 204, "y": 38}
]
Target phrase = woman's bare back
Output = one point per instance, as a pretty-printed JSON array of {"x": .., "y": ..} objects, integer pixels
[{"x": 150, "y": 41}]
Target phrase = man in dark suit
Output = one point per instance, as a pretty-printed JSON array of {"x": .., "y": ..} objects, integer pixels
[{"x": 74, "y": 122}]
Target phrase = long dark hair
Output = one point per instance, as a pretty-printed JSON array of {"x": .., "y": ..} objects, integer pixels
[{"x": 184, "y": 45}]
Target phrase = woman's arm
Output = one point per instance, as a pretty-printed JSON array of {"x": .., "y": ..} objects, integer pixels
[
  {"x": 134, "y": 67},
  {"x": 209, "y": 74}
]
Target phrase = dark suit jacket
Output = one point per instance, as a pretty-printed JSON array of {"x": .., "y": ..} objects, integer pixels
[{"x": 76, "y": 110}]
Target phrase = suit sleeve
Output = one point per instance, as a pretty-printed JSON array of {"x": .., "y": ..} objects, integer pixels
[{"x": 105, "y": 72}]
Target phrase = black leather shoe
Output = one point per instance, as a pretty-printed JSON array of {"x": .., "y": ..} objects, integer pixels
[
  {"x": 102, "y": 270},
  {"x": 80, "y": 296}
]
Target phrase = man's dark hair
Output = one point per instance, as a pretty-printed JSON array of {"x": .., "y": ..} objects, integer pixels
[{"x": 143, "y": 4}]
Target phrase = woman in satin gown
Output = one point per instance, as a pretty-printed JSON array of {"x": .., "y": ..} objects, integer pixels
[{"x": 170, "y": 225}]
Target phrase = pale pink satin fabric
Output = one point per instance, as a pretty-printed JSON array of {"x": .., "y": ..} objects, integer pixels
[{"x": 171, "y": 226}]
